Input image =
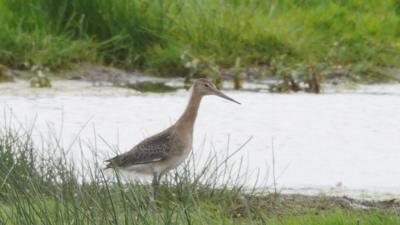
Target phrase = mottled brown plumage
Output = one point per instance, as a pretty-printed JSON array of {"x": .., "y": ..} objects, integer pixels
[
  {"x": 169, "y": 148},
  {"x": 150, "y": 150}
]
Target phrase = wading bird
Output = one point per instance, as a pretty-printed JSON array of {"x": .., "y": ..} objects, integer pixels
[{"x": 168, "y": 149}]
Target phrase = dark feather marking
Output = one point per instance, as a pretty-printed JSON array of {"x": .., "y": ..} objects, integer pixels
[{"x": 152, "y": 149}]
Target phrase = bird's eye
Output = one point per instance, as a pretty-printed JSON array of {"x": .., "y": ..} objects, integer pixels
[{"x": 206, "y": 85}]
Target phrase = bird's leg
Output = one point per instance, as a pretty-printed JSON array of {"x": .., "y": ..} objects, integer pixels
[{"x": 155, "y": 184}]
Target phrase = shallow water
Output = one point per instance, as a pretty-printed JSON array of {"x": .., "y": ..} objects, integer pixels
[{"x": 340, "y": 143}]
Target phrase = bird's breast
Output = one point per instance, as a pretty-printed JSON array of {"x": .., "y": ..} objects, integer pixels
[
  {"x": 180, "y": 144},
  {"x": 179, "y": 151}
]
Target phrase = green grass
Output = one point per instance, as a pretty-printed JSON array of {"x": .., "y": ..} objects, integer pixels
[
  {"x": 152, "y": 35},
  {"x": 51, "y": 190}
]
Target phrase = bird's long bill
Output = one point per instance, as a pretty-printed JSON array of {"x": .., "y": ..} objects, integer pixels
[{"x": 222, "y": 95}]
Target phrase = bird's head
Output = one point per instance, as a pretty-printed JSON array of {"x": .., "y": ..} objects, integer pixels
[{"x": 205, "y": 87}]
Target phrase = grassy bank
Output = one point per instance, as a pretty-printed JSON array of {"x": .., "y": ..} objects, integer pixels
[
  {"x": 50, "y": 190},
  {"x": 361, "y": 35}
]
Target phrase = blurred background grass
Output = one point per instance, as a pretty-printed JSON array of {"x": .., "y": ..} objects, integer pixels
[{"x": 152, "y": 35}]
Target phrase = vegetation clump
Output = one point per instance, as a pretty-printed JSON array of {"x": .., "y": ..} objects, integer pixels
[
  {"x": 306, "y": 79},
  {"x": 148, "y": 86},
  {"x": 40, "y": 81},
  {"x": 5, "y": 75}
]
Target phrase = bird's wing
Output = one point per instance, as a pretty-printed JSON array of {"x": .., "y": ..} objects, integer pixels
[{"x": 150, "y": 150}]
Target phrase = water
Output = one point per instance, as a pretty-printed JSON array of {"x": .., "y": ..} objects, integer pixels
[{"x": 343, "y": 143}]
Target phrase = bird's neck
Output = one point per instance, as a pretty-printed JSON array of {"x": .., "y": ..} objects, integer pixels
[{"x": 186, "y": 122}]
